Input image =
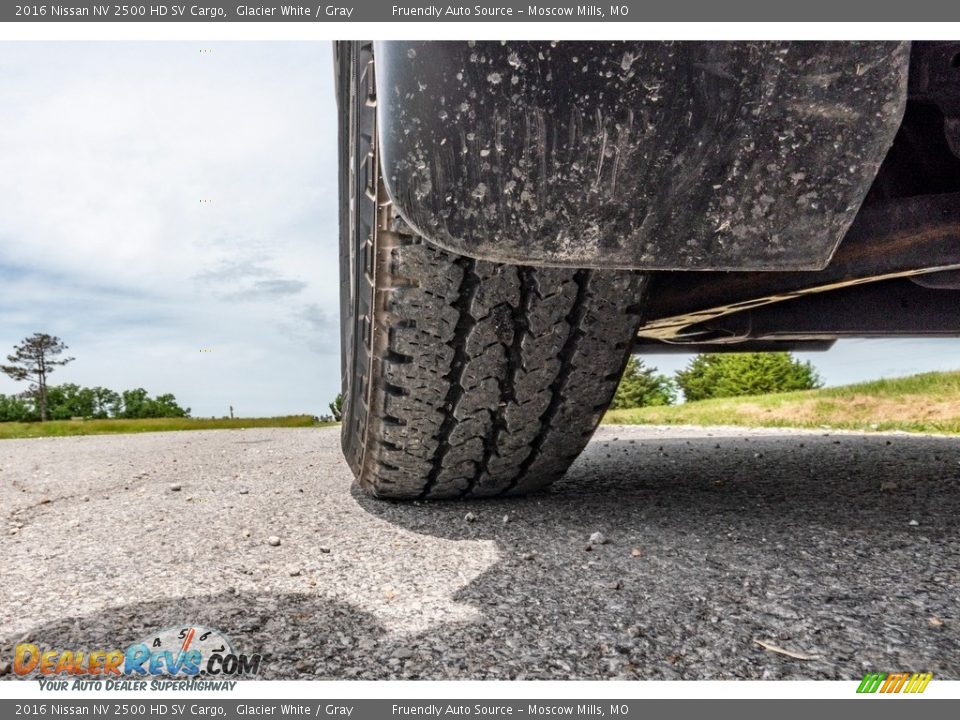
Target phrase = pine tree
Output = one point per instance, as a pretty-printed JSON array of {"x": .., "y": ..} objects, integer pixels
[
  {"x": 641, "y": 386},
  {"x": 33, "y": 360}
]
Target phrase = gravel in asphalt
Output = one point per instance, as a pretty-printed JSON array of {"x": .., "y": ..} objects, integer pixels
[{"x": 665, "y": 553}]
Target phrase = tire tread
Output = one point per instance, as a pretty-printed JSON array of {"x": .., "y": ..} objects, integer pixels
[{"x": 494, "y": 375}]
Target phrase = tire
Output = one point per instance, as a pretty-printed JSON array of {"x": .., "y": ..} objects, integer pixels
[{"x": 462, "y": 377}]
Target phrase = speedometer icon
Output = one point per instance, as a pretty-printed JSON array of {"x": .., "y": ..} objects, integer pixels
[{"x": 189, "y": 650}]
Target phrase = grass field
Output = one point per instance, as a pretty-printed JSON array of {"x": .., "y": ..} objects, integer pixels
[
  {"x": 928, "y": 403},
  {"x": 59, "y": 428}
]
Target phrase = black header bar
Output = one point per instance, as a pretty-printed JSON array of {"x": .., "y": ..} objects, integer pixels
[{"x": 740, "y": 11}]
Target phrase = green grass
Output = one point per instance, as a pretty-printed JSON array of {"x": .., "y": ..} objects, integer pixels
[
  {"x": 927, "y": 403},
  {"x": 60, "y": 428}
]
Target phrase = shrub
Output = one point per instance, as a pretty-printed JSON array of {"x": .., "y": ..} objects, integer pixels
[{"x": 733, "y": 374}]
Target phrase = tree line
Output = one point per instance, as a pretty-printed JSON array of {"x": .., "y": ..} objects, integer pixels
[
  {"x": 711, "y": 375},
  {"x": 36, "y": 357},
  {"x": 73, "y": 401},
  {"x": 714, "y": 375}
]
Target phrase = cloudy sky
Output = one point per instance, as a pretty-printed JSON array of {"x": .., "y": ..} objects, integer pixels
[
  {"x": 162, "y": 199},
  {"x": 156, "y": 201}
]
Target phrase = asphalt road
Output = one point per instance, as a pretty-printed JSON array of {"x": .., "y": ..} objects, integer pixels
[{"x": 843, "y": 550}]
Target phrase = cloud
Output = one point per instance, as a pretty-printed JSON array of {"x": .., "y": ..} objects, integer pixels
[
  {"x": 234, "y": 270},
  {"x": 315, "y": 328},
  {"x": 156, "y": 201},
  {"x": 249, "y": 279},
  {"x": 269, "y": 289}
]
